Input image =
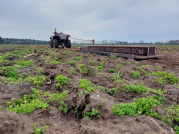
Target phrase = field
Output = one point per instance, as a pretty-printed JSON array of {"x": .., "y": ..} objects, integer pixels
[{"x": 54, "y": 91}]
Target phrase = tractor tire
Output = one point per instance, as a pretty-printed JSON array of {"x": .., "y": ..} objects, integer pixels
[
  {"x": 68, "y": 44},
  {"x": 51, "y": 43},
  {"x": 55, "y": 43}
]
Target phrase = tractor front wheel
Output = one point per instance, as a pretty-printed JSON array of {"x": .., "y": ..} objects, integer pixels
[{"x": 55, "y": 43}]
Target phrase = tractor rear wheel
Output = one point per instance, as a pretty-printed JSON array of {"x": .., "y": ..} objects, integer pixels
[
  {"x": 55, "y": 43},
  {"x": 68, "y": 44}
]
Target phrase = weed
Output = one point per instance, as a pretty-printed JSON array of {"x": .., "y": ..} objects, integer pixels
[
  {"x": 140, "y": 106},
  {"x": 120, "y": 60},
  {"x": 0, "y": 108},
  {"x": 118, "y": 67},
  {"x": 81, "y": 93},
  {"x": 113, "y": 56},
  {"x": 11, "y": 72},
  {"x": 101, "y": 87},
  {"x": 176, "y": 128},
  {"x": 86, "y": 84},
  {"x": 38, "y": 130},
  {"x": 93, "y": 113},
  {"x": 78, "y": 113},
  {"x": 140, "y": 88},
  {"x": 84, "y": 70},
  {"x": 165, "y": 77},
  {"x": 77, "y": 58},
  {"x": 72, "y": 63},
  {"x": 101, "y": 64},
  {"x": 135, "y": 74},
  {"x": 138, "y": 64},
  {"x": 69, "y": 52},
  {"x": 37, "y": 100},
  {"x": 112, "y": 70},
  {"x": 72, "y": 71},
  {"x": 62, "y": 80},
  {"x": 39, "y": 70},
  {"x": 37, "y": 80},
  {"x": 92, "y": 62},
  {"x": 112, "y": 91},
  {"x": 115, "y": 77}
]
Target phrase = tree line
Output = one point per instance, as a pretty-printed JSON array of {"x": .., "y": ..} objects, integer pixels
[
  {"x": 32, "y": 41},
  {"x": 21, "y": 41}
]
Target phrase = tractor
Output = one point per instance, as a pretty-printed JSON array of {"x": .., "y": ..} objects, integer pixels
[{"x": 60, "y": 39}]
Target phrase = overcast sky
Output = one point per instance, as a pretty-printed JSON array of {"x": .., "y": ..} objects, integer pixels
[{"x": 122, "y": 20}]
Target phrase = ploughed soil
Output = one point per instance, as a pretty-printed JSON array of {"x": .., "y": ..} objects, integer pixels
[{"x": 70, "y": 123}]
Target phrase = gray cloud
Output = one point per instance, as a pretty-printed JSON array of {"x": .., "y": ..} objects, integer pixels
[{"x": 129, "y": 20}]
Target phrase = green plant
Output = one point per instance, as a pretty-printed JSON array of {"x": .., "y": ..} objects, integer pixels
[
  {"x": 176, "y": 128},
  {"x": 112, "y": 91},
  {"x": 55, "y": 62},
  {"x": 72, "y": 63},
  {"x": 120, "y": 61},
  {"x": 140, "y": 88},
  {"x": 62, "y": 80},
  {"x": 138, "y": 64},
  {"x": 115, "y": 76},
  {"x": 38, "y": 130},
  {"x": 92, "y": 61},
  {"x": 37, "y": 80},
  {"x": 77, "y": 58},
  {"x": 140, "y": 106},
  {"x": 93, "y": 113},
  {"x": 78, "y": 113},
  {"x": 84, "y": 70},
  {"x": 86, "y": 84},
  {"x": 38, "y": 100},
  {"x": 165, "y": 77},
  {"x": 113, "y": 56},
  {"x": 118, "y": 67},
  {"x": 72, "y": 71},
  {"x": 101, "y": 64},
  {"x": 25, "y": 63},
  {"x": 10, "y": 71},
  {"x": 101, "y": 87},
  {"x": 69, "y": 52},
  {"x": 112, "y": 70},
  {"x": 0, "y": 108},
  {"x": 135, "y": 74},
  {"x": 81, "y": 93}
]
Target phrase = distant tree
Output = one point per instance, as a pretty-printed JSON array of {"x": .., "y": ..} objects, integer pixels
[{"x": 1, "y": 40}]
